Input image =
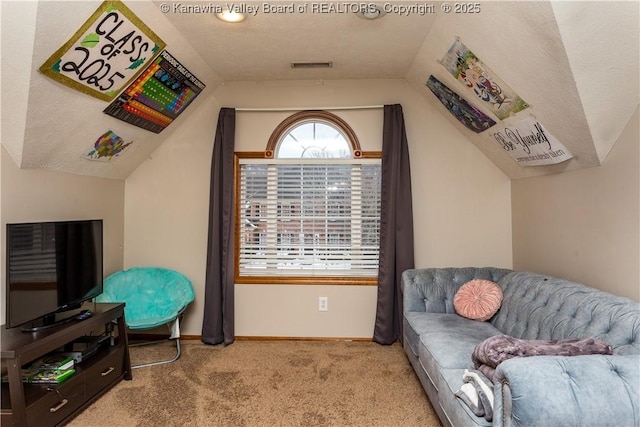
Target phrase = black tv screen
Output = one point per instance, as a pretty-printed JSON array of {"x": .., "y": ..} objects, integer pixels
[{"x": 51, "y": 267}]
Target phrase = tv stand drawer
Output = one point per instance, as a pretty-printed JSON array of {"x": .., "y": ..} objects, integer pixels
[
  {"x": 105, "y": 371},
  {"x": 59, "y": 402}
]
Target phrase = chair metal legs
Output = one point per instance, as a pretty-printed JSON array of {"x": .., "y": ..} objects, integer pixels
[
  {"x": 161, "y": 362},
  {"x": 174, "y": 334}
]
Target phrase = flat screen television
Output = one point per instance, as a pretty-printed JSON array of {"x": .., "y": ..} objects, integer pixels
[{"x": 51, "y": 267}]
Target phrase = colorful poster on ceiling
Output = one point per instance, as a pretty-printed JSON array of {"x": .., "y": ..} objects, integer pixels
[
  {"x": 481, "y": 81},
  {"x": 530, "y": 144},
  {"x": 105, "y": 54},
  {"x": 158, "y": 96},
  {"x": 466, "y": 113},
  {"x": 108, "y": 146}
]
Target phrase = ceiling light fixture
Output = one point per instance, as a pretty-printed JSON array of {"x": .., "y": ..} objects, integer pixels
[
  {"x": 371, "y": 12},
  {"x": 231, "y": 16}
]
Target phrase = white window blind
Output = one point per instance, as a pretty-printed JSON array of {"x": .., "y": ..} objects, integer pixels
[{"x": 305, "y": 218}]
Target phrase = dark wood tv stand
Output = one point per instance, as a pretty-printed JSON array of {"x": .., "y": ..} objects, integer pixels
[{"x": 50, "y": 405}]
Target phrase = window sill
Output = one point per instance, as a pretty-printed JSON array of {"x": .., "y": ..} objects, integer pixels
[{"x": 306, "y": 281}]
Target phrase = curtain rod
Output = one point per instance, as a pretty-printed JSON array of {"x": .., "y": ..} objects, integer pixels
[{"x": 357, "y": 107}]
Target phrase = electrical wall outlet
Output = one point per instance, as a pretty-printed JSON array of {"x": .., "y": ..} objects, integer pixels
[{"x": 323, "y": 304}]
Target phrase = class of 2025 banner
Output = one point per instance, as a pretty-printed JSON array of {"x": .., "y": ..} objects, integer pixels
[{"x": 105, "y": 54}]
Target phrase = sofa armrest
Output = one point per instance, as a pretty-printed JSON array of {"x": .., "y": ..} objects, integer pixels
[
  {"x": 433, "y": 289},
  {"x": 593, "y": 390}
]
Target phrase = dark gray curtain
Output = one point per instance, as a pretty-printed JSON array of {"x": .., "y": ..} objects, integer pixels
[
  {"x": 218, "y": 323},
  {"x": 396, "y": 226}
]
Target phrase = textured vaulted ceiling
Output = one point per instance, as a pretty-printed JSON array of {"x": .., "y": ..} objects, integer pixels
[
  {"x": 263, "y": 46},
  {"x": 575, "y": 63}
]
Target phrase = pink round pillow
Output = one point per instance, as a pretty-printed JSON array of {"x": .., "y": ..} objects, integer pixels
[{"x": 478, "y": 299}]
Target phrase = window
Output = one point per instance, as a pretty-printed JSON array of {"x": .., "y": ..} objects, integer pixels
[{"x": 309, "y": 206}]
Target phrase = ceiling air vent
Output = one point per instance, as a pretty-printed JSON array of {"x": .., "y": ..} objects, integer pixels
[{"x": 312, "y": 64}]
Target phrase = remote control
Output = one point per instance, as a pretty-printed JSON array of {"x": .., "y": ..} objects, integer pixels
[{"x": 84, "y": 314}]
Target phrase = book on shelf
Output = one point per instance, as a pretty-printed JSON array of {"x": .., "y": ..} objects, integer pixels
[
  {"x": 43, "y": 376},
  {"x": 54, "y": 361}
]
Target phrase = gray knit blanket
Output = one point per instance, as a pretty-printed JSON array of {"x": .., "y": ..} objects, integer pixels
[{"x": 494, "y": 350}]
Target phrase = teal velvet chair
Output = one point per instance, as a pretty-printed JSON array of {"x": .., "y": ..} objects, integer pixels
[{"x": 154, "y": 296}]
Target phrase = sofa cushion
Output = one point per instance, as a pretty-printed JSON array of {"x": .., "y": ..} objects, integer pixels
[
  {"x": 448, "y": 340},
  {"x": 436, "y": 326},
  {"x": 478, "y": 299},
  {"x": 413, "y": 324}
]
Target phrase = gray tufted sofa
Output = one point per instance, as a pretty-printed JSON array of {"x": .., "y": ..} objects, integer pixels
[{"x": 593, "y": 390}]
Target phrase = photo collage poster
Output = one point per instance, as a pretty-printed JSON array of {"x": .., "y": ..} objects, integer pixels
[{"x": 480, "y": 81}]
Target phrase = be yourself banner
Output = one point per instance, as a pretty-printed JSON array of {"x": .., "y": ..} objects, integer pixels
[{"x": 530, "y": 144}]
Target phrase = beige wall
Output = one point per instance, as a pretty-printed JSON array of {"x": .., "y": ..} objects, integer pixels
[
  {"x": 36, "y": 195},
  {"x": 167, "y": 205},
  {"x": 461, "y": 202},
  {"x": 584, "y": 225}
]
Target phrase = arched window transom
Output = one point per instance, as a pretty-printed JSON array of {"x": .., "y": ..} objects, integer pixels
[{"x": 313, "y": 135}]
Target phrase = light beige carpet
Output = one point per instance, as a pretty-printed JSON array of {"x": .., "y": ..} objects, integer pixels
[{"x": 267, "y": 383}]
